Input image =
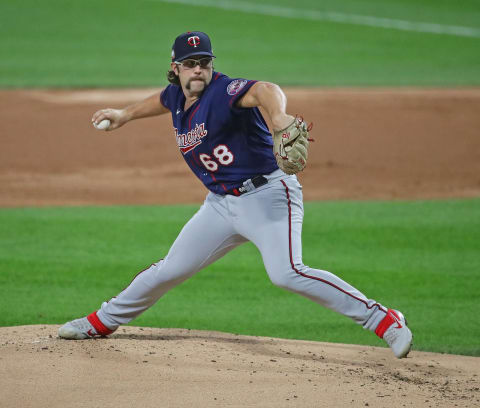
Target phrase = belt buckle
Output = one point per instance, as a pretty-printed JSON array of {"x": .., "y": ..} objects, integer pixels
[{"x": 259, "y": 181}]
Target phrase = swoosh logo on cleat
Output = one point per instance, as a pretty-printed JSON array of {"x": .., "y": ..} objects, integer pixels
[
  {"x": 90, "y": 333},
  {"x": 399, "y": 325}
]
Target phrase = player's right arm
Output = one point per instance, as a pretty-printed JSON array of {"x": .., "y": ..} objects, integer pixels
[{"x": 151, "y": 106}]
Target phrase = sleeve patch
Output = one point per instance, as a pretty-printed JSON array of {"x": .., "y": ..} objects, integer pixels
[{"x": 235, "y": 86}]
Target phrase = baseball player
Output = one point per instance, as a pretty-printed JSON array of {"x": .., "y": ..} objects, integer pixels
[{"x": 253, "y": 195}]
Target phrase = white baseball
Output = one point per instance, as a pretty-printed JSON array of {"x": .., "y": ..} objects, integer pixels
[{"x": 104, "y": 124}]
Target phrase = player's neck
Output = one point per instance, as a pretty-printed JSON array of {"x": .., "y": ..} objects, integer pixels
[{"x": 190, "y": 100}]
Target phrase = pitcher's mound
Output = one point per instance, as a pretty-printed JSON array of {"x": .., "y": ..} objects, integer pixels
[{"x": 147, "y": 367}]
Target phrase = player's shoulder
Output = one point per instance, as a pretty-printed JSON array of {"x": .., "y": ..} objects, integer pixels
[
  {"x": 230, "y": 86},
  {"x": 170, "y": 94},
  {"x": 172, "y": 89}
]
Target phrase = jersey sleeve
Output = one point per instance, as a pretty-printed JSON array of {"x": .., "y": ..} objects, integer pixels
[
  {"x": 236, "y": 89},
  {"x": 230, "y": 90},
  {"x": 166, "y": 97}
]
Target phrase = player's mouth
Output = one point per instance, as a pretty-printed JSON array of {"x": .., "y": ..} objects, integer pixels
[{"x": 196, "y": 82}]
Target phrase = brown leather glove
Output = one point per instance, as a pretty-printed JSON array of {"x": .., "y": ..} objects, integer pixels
[{"x": 290, "y": 146}]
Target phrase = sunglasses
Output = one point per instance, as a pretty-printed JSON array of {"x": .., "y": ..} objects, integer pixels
[{"x": 192, "y": 63}]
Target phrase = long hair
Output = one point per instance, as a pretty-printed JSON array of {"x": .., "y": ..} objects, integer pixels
[{"x": 172, "y": 77}]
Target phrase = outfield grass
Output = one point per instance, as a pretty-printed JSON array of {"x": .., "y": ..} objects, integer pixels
[
  {"x": 421, "y": 257},
  {"x": 66, "y": 43}
]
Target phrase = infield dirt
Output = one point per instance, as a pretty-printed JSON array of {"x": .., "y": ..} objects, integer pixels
[{"x": 370, "y": 144}]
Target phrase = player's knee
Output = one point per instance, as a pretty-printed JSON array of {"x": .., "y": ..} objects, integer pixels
[
  {"x": 285, "y": 276},
  {"x": 279, "y": 280}
]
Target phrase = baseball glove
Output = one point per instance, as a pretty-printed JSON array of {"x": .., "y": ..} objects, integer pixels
[{"x": 290, "y": 146}]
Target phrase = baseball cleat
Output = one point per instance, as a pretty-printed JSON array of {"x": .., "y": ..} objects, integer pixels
[
  {"x": 84, "y": 328},
  {"x": 393, "y": 329}
]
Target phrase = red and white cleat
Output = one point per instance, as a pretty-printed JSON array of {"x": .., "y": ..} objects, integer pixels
[
  {"x": 393, "y": 329},
  {"x": 84, "y": 328}
]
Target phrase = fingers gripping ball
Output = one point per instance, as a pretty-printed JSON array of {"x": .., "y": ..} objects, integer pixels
[
  {"x": 103, "y": 125},
  {"x": 290, "y": 146}
]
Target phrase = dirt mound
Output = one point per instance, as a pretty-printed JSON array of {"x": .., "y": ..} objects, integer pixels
[{"x": 179, "y": 368}]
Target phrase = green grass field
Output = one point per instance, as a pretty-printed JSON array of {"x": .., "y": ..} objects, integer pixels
[
  {"x": 65, "y": 43},
  {"x": 421, "y": 257}
]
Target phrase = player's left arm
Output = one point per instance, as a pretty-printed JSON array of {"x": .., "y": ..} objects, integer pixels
[
  {"x": 270, "y": 97},
  {"x": 290, "y": 134}
]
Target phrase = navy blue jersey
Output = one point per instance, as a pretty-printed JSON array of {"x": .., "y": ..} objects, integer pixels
[{"x": 224, "y": 145}]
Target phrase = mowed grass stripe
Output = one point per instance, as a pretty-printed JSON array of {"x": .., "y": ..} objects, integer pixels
[
  {"x": 69, "y": 46},
  {"x": 57, "y": 264},
  {"x": 331, "y": 16}
]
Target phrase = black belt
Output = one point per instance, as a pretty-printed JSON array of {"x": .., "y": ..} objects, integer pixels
[{"x": 248, "y": 185}]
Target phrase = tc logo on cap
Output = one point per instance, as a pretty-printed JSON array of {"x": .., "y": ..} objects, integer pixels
[{"x": 193, "y": 41}]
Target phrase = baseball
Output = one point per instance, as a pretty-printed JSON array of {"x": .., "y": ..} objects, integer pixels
[{"x": 103, "y": 125}]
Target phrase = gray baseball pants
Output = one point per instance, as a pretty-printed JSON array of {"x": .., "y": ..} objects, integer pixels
[{"x": 271, "y": 217}]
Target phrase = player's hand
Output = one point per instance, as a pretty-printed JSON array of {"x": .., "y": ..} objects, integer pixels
[{"x": 117, "y": 117}]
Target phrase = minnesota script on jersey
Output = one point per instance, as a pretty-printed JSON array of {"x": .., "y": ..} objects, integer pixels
[{"x": 222, "y": 152}]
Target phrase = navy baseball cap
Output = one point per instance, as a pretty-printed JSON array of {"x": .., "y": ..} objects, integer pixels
[{"x": 191, "y": 43}]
